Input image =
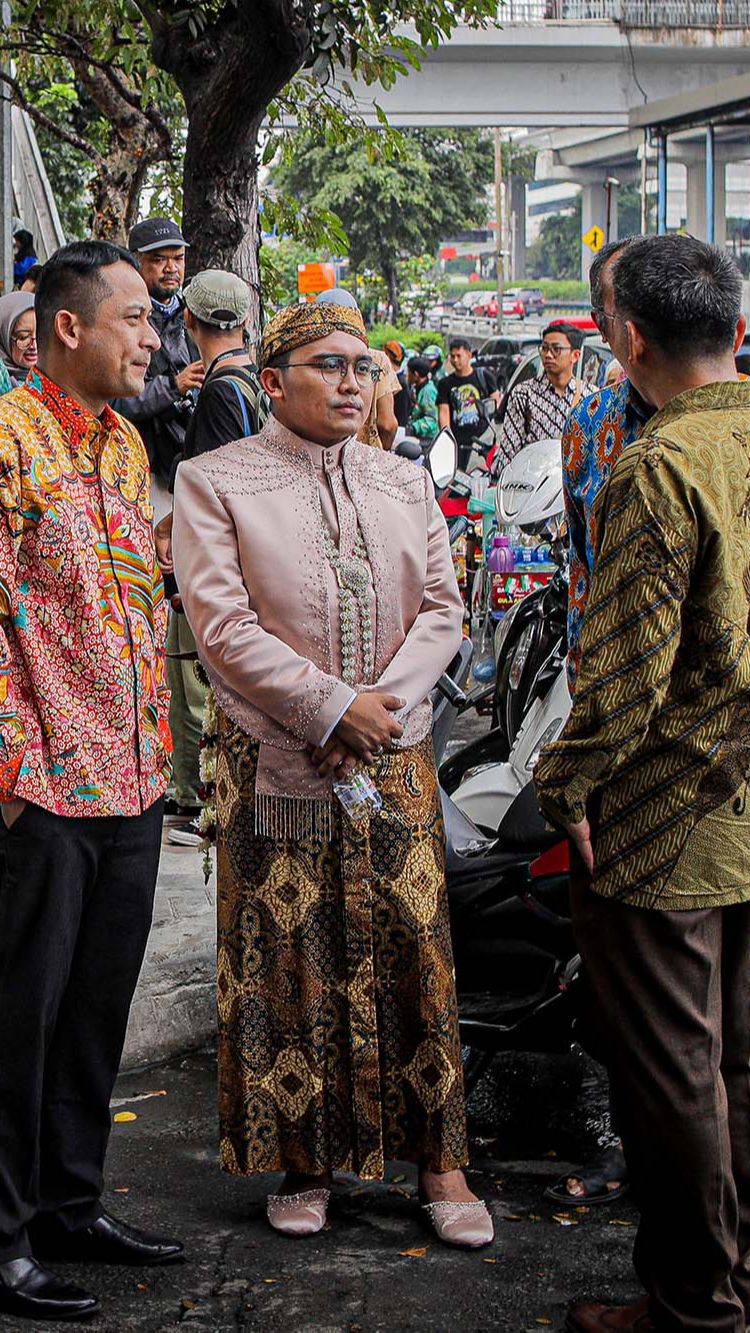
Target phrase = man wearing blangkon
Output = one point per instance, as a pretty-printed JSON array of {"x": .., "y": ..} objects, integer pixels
[
  {"x": 650, "y": 778},
  {"x": 84, "y": 762}
]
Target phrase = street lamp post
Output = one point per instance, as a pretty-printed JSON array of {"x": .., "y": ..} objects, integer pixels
[{"x": 500, "y": 277}]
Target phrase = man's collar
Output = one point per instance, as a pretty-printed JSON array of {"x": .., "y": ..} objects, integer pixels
[
  {"x": 75, "y": 419},
  {"x": 722, "y": 394},
  {"x": 170, "y": 308}
]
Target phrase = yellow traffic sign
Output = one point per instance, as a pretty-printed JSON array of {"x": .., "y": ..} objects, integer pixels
[{"x": 593, "y": 238}]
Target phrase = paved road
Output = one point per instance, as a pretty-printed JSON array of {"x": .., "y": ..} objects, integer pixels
[{"x": 353, "y": 1277}]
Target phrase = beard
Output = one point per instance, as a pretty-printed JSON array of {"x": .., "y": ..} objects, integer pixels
[{"x": 164, "y": 294}]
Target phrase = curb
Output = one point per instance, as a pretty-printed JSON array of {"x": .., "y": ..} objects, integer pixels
[{"x": 174, "y": 1007}]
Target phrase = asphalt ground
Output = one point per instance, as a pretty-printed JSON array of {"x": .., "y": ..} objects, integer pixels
[
  {"x": 375, "y": 1266},
  {"x": 531, "y": 1117}
]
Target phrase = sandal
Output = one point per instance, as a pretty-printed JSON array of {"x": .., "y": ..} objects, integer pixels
[{"x": 609, "y": 1165}]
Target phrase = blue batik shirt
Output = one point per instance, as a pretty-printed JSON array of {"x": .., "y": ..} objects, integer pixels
[{"x": 596, "y": 433}]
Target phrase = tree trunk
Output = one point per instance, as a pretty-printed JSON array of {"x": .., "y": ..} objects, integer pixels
[
  {"x": 220, "y": 209},
  {"x": 228, "y": 75},
  {"x": 391, "y": 282}
]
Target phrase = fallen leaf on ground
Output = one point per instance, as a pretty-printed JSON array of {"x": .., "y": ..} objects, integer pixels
[
  {"x": 269, "y": 1280},
  {"x": 122, "y": 1189},
  {"x": 542, "y": 1321},
  {"x": 143, "y": 1286},
  {"x": 416, "y": 1253},
  {"x": 619, "y": 1222},
  {"x": 564, "y": 1220},
  {"x": 582, "y": 1209},
  {"x": 396, "y": 1189},
  {"x": 489, "y": 1261},
  {"x": 549, "y": 1154},
  {"x": 513, "y": 1217},
  {"x": 140, "y": 1097},
  {"x": 188, "y": 1305},
  {"x": 123, "y": 1117},
  {"x": 534, "y": 1217}
]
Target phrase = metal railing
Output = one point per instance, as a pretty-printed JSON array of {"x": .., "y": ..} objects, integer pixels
[
  {"x": 685, "y": 13},
  {"x": 543, "y": 11},
  {"x": 631, "y": 13}
]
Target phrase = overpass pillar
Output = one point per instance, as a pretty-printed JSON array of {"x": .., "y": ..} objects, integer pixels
[
  {"x": 698, "y": 203},
  {"x": 517, "y": 205},
  {"x": 594, "y": 213}
]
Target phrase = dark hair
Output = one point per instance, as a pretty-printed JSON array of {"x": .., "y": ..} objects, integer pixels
[
  {"x": 25, "y": 243},
  {"x": 421, "y": 365},
  {"x": 569, "y": 331},
  {"x": 459, "y": 342},
  {"x": 685, "y": 296},
  {"x": 596, "y": 271},
  {"x": 72, "y": 279}
]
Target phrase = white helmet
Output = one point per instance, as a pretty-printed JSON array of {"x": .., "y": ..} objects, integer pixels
[{"x": 529, "y": 488}]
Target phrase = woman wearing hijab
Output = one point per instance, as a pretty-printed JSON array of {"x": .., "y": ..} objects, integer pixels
[{"x": 18, "y": 335}]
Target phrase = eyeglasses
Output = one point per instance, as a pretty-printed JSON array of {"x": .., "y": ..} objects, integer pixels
[
  {"x": 599, "y": 313},
  {"x": 556, "y": 349},
  {"x": 335, "y": 369},
  {"x": 23, "y": 338}
]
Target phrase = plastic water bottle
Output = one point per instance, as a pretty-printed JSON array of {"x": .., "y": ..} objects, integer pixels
[{"x": 501, "y": 558}]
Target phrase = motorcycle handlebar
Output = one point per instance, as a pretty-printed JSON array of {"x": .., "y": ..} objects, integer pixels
[{"x": 450, "y": 690}]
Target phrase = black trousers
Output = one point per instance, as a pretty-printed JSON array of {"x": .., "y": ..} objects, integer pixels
[
  {"x": 76, "y": 900},
  {"x": 673, "y": 996}
]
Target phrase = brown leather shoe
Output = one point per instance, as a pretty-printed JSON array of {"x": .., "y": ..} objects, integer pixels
[{"x": 596, "y": 1318}]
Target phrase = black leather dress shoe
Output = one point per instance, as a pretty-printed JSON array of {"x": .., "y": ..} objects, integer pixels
[
  {"x": 107, "y": 1241},
  {"x": 29, "y": 1291}
]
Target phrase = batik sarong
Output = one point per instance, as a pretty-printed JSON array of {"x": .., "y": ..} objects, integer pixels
[{"x": 338, "y": 1029}]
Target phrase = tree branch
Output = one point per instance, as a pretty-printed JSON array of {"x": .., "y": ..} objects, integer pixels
[{"x": 47, "y": 123}]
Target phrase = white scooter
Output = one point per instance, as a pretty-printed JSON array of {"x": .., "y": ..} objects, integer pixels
[{"x": 529, "y": 495}]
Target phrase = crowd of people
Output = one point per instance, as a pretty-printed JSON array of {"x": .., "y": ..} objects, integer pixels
[{"x": 311, "y": 604}]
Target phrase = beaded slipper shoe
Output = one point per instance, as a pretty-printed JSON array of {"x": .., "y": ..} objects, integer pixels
[
  {"x": 466, "y": 1224},
  {"x": 298, "y": 1214}
]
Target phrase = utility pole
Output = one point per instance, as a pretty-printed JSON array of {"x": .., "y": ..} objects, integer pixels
[{"x": 499, "y": 227}]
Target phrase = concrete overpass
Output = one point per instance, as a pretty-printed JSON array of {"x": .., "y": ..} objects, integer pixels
[
  {"x": 704, "y": 130},
  {"x": 589, "y": 65}
]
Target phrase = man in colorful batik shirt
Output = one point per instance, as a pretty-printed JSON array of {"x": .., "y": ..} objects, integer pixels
[
  {"x": 84, "y": 762},
  {"x": 650, "y": 778}
]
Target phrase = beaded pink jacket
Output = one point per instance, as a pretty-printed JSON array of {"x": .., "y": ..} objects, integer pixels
[{"x": 262, "y": 599}]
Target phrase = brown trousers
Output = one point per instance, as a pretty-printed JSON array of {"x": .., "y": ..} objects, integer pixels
[{"x": 672, "y": 991}]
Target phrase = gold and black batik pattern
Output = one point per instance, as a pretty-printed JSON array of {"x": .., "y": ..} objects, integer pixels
[{"x": 338, "y": 1030}]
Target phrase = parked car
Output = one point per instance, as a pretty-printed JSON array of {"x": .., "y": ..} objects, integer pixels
[
  {"x": 502, "y": 355},
  {"x": 596, "y": 355},
  {"x": 486, "y": 305},
  {"x": 522, "y": 302}
]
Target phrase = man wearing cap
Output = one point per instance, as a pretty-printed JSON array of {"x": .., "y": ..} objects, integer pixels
[
  {"x": 317, "y": 578},
  {"x": 162, "y": 411},
  {"x": 231, "y": 405}
]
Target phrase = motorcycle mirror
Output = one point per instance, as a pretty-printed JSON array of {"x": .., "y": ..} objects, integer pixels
[{"x": 442, "y": 459}]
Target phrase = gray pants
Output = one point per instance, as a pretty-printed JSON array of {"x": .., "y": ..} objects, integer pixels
[{"x": 185, "y": 711}]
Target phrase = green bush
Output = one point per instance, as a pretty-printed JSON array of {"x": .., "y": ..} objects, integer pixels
[
  {"x": 411, "y": 338},
  {"x": 562, "y": 289}
]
